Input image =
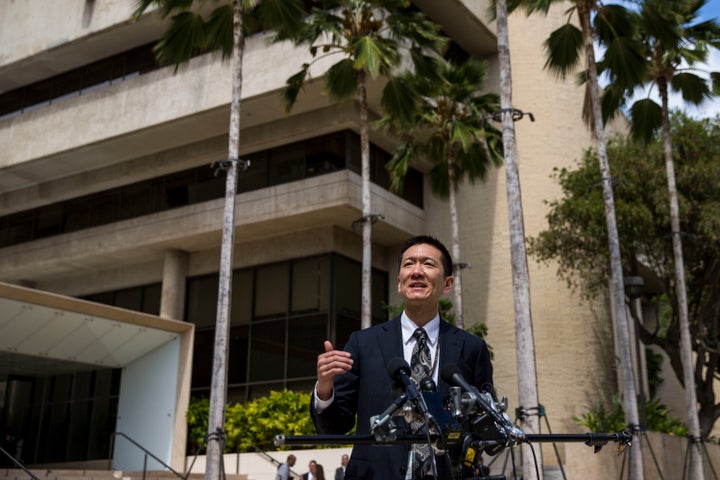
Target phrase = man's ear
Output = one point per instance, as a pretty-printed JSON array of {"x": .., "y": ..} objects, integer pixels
[{"x": 449, "y": 283}]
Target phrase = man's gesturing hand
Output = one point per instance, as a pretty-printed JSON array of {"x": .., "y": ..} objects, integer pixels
[{"x": 332, "y": 362}]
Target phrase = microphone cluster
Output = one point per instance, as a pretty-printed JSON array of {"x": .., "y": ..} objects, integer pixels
[{"x": 465, "y": 409}]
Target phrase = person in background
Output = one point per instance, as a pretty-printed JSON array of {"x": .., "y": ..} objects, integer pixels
[
  {"x": 283, "y": 471},
  {"x": 319, "y": 472},
  {"x": 310, "y": 475},
  {"x": 340, "y": 472}
]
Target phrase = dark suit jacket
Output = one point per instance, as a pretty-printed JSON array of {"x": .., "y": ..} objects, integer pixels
[
  {"x": 366, "y": 389},
  {"x": 339, "y": 474}
]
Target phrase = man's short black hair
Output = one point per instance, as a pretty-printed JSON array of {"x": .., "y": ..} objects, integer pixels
[{"x": 445, "y": 256}]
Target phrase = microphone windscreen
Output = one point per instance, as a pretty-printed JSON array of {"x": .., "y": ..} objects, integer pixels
[
  {"x": 396, "y": 365},
  {"x": 447, "y": 373}
]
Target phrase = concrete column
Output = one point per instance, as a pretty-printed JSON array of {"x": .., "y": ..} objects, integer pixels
[{"x": 175, "y": 270}]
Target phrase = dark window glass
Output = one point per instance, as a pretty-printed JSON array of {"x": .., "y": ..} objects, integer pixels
[
  {"x": 12, "y": 102},
  {"x": 256, "y": 176},
  {"x": 49, "y": 221},
  {"x": 348, "y": 284},
  {"x": 271, "y": 292},
  {"x": 203, "y": 350},
  {"x": 267, "y": 351},
  {"x": 379, "y": 286},
  {"x": 209, "y": 186},
  {"x": 310, "y": 285},
  {"x": 76, "y": 215},
  {"x": 242, "y": 296},
  {"x": 137, "y": 200},
  {"x": 105, "y": 207},
  {"x": 287, "y": 164},
  {"x": 129, "y": 298},
  {"x": 96, "y": 75},
  {"x": 325, "y": 154},
  {"x": 238, "y": 344},
  {"x": 344, "y": 326},
  {"x": 151, "y": 299},
  {"x": 177, "y": 191},
  {"x": 18, "y": 228},
  {"x": 305, "y": 340},
  {"x": 38, "y": 93},
  {"x": 202, "y": 300}
]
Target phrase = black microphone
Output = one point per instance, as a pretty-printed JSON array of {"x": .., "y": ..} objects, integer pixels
[
  {"x": 378, "y": 421},
  {"x": 452, "y": 375},
  {"x": 399, "y": 370}
]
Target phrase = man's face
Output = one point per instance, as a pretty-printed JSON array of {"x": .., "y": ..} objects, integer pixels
[
  {"x": 311, "y": 467},
  {"x": 344, "y": 460},
  {"x": 291, "y": 461},
  {"x": 422, "y": 278}
]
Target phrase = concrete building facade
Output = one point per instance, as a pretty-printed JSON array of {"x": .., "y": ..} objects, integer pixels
[{"x": 107, "y": 195}]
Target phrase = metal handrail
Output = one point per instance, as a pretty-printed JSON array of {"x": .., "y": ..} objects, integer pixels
[
  {"x": 20, "y": 465},
  {"x": 147, "y": 453}
]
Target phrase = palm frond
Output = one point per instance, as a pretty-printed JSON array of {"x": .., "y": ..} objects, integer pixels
[
  {"x": 293, "y": 87},
  {"x": 184, "y": 38},
  {"x": 694, "y": 89},
  {"x": 220, "y": 30},
  {"x": 398, "y": 101},
  {"x": 563, "y": 48},
  {"x": 374, "y": 55},
  {"x": 342, "y": 80},
  {"x": 398, "y": 165},
  {"x": 646, "y": 117}
]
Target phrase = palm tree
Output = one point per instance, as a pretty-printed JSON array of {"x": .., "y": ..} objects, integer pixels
[
  {"x": 672, "y": 42},
  {"x": 524, "y": 337},
  {"x": 565, "y": 49},
  {"x": 190, "y": 33},
  {"x": 370, "y": 36},
  {"x": 450, "y": 117}
]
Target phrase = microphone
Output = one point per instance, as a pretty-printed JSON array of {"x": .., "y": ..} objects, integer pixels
[
  {"x": 452, "y": 375},
  {"x": 378, "y": 421},
  {"x": 399, "y": 370}
]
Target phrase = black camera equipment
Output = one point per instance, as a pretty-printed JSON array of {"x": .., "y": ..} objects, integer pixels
[{"x": 461, "y": 424}]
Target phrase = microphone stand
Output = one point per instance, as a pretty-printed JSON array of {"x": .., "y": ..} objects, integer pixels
[{"x": 592, "y": 439}]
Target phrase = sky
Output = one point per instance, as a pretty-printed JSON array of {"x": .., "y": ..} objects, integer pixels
[{"x": 707, "y": 108}]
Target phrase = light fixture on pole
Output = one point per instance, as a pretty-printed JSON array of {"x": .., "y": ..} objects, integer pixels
[{"x": 634, "y": 289}]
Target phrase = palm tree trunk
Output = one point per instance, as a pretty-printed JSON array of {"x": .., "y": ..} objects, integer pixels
[
  {"x": 524, "y": 337},
  {"x": 696, "y": 465},
  {"x": 617, "y": 293},
  {"x": 366, "y": 307},
  {"x": 218, "y": 389},
  {"x": 455, "y": 232}
]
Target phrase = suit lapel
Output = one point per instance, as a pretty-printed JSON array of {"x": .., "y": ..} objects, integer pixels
[
  {"x": 450, "y": 351},
  {"x": 390, "y": 340}
]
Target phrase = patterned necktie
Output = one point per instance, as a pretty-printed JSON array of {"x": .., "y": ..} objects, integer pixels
[{"x": 420, "y": 366}]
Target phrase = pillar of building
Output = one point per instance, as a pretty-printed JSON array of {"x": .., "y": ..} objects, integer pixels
[{"x": 175, "y": 270}]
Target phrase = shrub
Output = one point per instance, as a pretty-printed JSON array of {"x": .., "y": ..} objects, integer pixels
[{"x": 602, "y": 419}]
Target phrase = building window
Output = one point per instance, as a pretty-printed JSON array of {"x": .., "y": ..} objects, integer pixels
[
  {"x": 276, "y": 166},
  {"x": 294, "y": 311}
]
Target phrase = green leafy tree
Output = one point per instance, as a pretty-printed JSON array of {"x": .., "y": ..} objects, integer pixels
[
  {"x": 576, "y": 227},
  {"x": 673, "y": 40},
  {"x": 370, "y": 38},
  {"x": 568, "y": 47},
  {"x": 449, "y": 125}
]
